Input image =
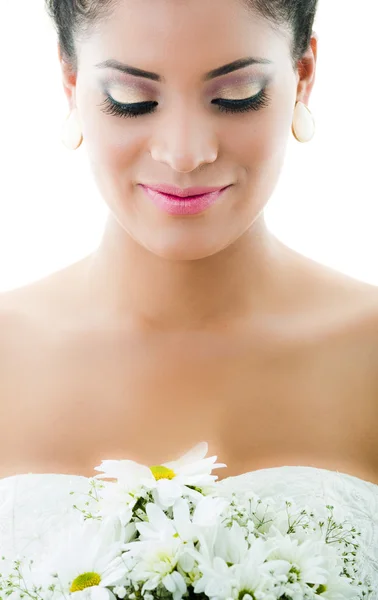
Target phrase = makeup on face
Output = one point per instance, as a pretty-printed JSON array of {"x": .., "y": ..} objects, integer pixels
[{"x": 126, "y": 87}]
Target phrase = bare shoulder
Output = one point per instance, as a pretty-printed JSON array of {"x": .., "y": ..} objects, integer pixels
[
  {"x": 335, "y": 292},
  {"x": 30, "y": 312},
  {"x": 348, "y": 307},
  {"x": 52, "y": 293}
]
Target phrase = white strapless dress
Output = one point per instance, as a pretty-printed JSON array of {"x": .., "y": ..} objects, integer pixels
[{"x": 34, "y": 505}]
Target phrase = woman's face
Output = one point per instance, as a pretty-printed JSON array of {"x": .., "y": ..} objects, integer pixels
[{"x": 187, "y": 139}]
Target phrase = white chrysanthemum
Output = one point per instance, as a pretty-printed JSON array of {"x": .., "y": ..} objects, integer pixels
[
  {"x": 308, "y": 562},
  {"x": 339, "y": 588},
  {"x": 85, "y": 561},
  {"x": 217, "y": 579},
  {"x": 256, "y": 575},
  {"x": 155, "y": 564},
  {"x": 231, "y": 544},
  {"x": 216, "y": 540},
  {"x": 205, "y": 518},
  {"x": 230, "y": 569},
  {"x": 175, "y": 584},
  {"x": 184, "y": 526},
  {"x": 158, "y": 526}
]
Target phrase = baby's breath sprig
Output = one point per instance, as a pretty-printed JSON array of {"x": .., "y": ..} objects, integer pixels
[
  {"x": 94, "y": 486},
  {"x": 301, "y": 520},
  {"x": 16, "y": 582},
  {"x": 244, "y": 514}
]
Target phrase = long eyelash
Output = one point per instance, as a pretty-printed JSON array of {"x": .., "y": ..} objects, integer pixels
[
  {"x": 256, "y": 102},
  {"x": 137, "y": 109},
  {"x": 127, "y": 110}
]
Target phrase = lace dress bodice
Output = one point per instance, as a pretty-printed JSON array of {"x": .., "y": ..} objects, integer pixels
[{"x": 34, "y": 506}]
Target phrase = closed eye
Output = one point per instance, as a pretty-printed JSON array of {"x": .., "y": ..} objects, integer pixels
[{"x": 137, "y": 109}]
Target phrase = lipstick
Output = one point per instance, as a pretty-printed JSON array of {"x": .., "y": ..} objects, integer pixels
[{"x": 191, "y": 201}]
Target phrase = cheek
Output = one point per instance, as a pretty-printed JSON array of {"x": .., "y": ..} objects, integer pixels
[
  {"x": 113, "y": 146},
  {"x": 112, "y": 143},
  {"x": 259, "y": 138}
]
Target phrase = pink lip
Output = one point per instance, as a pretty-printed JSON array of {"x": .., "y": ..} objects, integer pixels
[
  {"x": 172, "y": 190},
  {"x": 184, "y": 205}
]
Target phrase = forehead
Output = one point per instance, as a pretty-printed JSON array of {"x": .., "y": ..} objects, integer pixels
[{"x": 193, "y": 34}]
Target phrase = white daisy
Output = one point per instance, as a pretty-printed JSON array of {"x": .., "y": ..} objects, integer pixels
[
  {"x": 192, "y": 469},
  {"x": 168, "y": 481},
  {"x": 85, "y": 561}
]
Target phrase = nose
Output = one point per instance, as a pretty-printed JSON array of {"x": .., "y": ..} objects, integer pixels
[{"x": 184, "y": 141}]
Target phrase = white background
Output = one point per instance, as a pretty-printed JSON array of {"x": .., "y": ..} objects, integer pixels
[{"x": 325, "y": 205}]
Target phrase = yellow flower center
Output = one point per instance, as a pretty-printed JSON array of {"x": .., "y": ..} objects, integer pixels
[
  {"x": 85, "y": 580},
  {"x": 160, "y": 472}
]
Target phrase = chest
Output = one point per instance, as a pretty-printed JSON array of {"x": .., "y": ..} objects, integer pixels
[{"x": 267, "y": 402}]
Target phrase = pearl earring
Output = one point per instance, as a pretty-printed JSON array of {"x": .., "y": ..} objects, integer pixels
[
  {"x": 303, "y": 126},
  {"x": 71, "y": 133}
]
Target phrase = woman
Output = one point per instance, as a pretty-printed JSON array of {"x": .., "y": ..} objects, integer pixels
[{"x": 191, "y": 320}]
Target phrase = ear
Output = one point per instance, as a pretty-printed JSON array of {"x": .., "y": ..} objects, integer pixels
[
  {"x": 69, "y": 77},
  {"x": 307, "y": 70}
]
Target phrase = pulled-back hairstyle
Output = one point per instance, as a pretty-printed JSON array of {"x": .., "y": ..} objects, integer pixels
[{"x": 78, "y": 18}]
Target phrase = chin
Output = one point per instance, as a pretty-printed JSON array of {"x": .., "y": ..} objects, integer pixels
[
  {"x": 171, "y": 245},
  {"x": 177, "y": 252},
  {"x": 185, "y": 241}
]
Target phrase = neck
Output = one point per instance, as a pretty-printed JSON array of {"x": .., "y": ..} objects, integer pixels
[{"x": 128, "y": 283}]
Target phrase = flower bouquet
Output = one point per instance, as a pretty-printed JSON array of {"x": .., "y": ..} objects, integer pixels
[{"x": 168, "y": 532}]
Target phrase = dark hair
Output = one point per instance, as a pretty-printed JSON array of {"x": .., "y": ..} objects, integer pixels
[{"x": 78, "y": 18}]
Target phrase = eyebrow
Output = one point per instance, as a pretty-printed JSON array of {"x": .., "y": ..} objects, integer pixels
[{"x": 229, "y": 68}]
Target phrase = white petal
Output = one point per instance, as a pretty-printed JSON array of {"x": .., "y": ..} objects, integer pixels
[
  {"x": 124, "y": 470},
  {"x": 100, "y": 593},
  {"x": 208, "y": 510},
  {"x": 180, "y": 583},
  {"x": 181, "y": 516},
  {"x": 220, "y": 565},
  {"x": 168, "y": 492},
  {"x": 157, "y": 516},
  {"x": 169, "y": 583},
  {"x": 186, "y": 562},
  {"x": 200, "y": 467},
  {"x": 198, "y": 452}
]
